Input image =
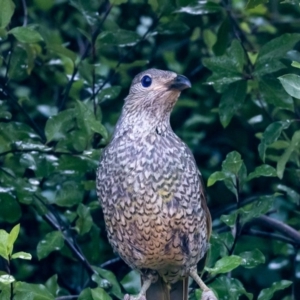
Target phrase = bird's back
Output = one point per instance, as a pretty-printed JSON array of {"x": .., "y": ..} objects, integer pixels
[{"x": 152, "y": 200}]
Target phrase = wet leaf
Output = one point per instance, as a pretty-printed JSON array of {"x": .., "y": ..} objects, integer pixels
[
  {"x": 225, "y": 264},
  {"x": 119, "y": 37},
  {"x": 52, "y": 241},
  {"x": 250, "y": 259},
  {"x": 132, "y": 282},
  {"x": 22, "y": 255},
  {"x": 6, "y": 12},
  {"x": 263, "y": 170},
  {"x": 291, "y": 84},
  {"x": 267, "y": 294}
]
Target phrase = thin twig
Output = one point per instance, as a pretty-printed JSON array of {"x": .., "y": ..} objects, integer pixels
[
  {"x": 110, "y": 262},
  {"x": 54, "y": 222},
  {"x": 25, "y": 13}
]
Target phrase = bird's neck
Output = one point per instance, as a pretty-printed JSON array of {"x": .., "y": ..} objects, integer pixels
[{"x": 143, "y": 121}]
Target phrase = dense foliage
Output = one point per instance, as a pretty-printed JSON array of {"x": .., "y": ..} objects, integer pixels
[{"x": 65, "y": 67}]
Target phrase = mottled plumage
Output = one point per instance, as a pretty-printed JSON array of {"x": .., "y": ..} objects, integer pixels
[{"x": 150, "y": 188}]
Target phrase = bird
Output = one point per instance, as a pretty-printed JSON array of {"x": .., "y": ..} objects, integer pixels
[{"x": 152, "y": 193}]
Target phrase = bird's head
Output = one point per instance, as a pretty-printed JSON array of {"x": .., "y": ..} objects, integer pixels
[{"x": 152, "y": 95}]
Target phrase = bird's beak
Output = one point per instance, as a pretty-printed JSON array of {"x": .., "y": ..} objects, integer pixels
[{"x": 180, "y": 83}]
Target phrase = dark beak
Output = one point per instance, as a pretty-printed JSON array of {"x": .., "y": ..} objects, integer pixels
[{"x": 180, "y": 83}]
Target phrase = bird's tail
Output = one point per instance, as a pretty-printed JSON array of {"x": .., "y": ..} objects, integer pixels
[{"x": 160, "y": 290}]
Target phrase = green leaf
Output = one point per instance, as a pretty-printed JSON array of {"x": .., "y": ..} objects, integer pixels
[
  {"x": 26, "y": 35},
  {"x": 229, "y": 220},
  {"x": 254, "y": 3},
  {"x": 294, "y": 145},
  {"x": 267, "y": 294},
  {"x": 231, "y": 101},
  {"x": 291, "y": 193},
  {"x": 99, "y": 294},
  {"x": 70, "y": 193},
  {"x": 52, "y": 241},
  {"x": 52, "y": 286},
  {"x": 272, "y": 92},
  {"x": 251, "y": 259},
  {"x": 6, "y": 12},
  {"x": 119, "y": 37},
  {"x": 39, "y": 291},
  {"x": 132, "y": 282},
  {"x": 229, "y": 288},
  {"x": 216, "y": 176},
  {"x": 6, "y": 279},
  {"x": 260, "y": 207},
  {"x": 12, "y": 237},
  {"x": 291, "y": 84},
  {"x": 3, "y": 244},
  {"x": 22, "y": 255},
  {"x": 58, "y": 126},
  {"x": 270, "y": 135},
  {"x": 62, "y": 51},
  {"x": 275, "y": 49},
  {"x": 109, "y": 93},
  {"x": 232, "y": 163},
  {"x": 84, "y": 222},
  {"x": 295, "y": 64},
  {"x": 227, "y": 68},
  {"x": 263, "y": 170},
  {"x": 85, "y": 294},
  {"x": 110, "y": 276},
  {"x": 219, "y": 47},
  {"x": 174, "y": 27},
  {"x": 225, "y": 265},
  {"x": 10, "y": 209}
]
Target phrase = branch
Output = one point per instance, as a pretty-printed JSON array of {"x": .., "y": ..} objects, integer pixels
[
  {"x": 268, "y": 235},
  {"x": 110, "y": 262},
  {"x": 279, "y": 226},
  {"x": 25, "y": 12},
  {"x": 54, "y": 223}
]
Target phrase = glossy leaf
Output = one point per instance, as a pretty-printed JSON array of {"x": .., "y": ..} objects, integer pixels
[
  {"x": 51, "y": 285},
  {"x": 6, "y": 279},
  {"x": 216, "y": 176},
  {"x": 229, "y": 288},
  {"x": 291, "y": 84},
  {"x": 132, "y": 282},
  {"x": 251, "y": 259},
  {"x": 276, "y": 48},
  {"x": 22, "y": 255},
  {"x": 231, "y": 101},
  {"x": 10, "y": 209},
  {"x": 263, "y": 170},
  {"x": 232, "y": 163},
  {"x": 225, "y": 264},
  {"x": 99, "y": 294},
  {"x": 273, "y": 93},
  {"x": 226, "y": 68},
  {"x": 39, "y": 291},
  {"x": 119, "y": 37},
  {"x": 3, "y": 244},
  {"x": 26, "y": 35},
  {"x": 108, "y": 275},
  {"x": 291, "y": 193},
  {"x": 52, "y": 241},
  {"x": 12, "y": 237},
  {"x": 267, "y": 294},
  {"x": 200, "y": 9}
]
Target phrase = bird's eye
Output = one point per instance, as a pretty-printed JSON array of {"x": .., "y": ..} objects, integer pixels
[{"x": 146, "y": 81}]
